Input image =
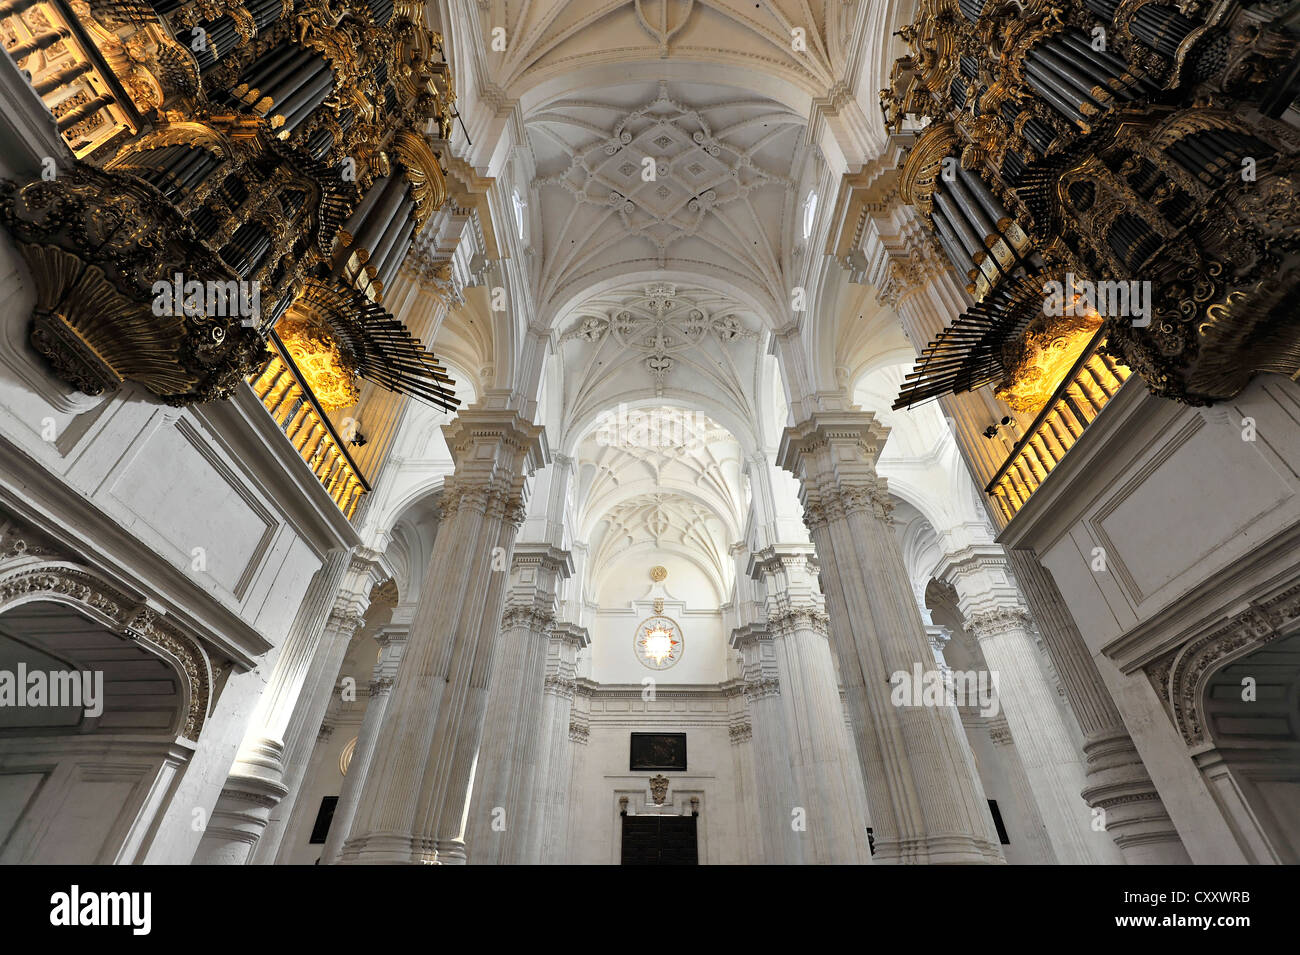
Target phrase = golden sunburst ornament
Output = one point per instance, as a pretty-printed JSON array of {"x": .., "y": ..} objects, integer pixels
[{"x": 658, "y": 643}]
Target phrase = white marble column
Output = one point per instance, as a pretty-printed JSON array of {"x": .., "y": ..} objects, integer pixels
[
  {"x": 824, "y": 771},
  {"x": 991, "y": 605},
  {"x": 392, "y": 646},
  {"x": 925, "y": 798},
  {"x": 740, "y": 730},
  {"x": 548, "y": 819},
  {"x": 414, "y": 801},
  {"x": 505, "y": 781},
  {"x": 580, "y": 737},
  {"x": 277, "y": 745},
  {"x": 1116, "y": 785},
  {"x": 775, "y": 787},
  {"x": 365, "y": 570}
]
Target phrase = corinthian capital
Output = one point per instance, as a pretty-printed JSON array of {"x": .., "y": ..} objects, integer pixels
[{"x": 991, "y": 623}]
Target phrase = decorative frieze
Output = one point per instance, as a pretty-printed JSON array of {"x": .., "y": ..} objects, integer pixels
[
  {"x": 1179, "y": 677},
  {"x": 133, "y": 620},
  {"x": 740, "y": 731},
  {"x": 579, "y": 729},
  {"x": 992, "y": 623},
  {"x": 559, "y": 686}
]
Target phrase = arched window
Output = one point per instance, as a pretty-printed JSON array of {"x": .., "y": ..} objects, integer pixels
[
  {"x": 519, "y": 205},
  {"x": 809, "y": 213}
]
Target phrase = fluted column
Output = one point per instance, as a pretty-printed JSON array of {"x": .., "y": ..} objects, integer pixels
[
  {"x": 498, "y": 832},
  {"x": 413, "y": 803},
  {"x": 740, "y": 730},
  {"x": 824, "y": 770},
  {"x": 268, "y": 765},
  {"x": 548, "y": 819},
  {"x": 926, "y": 801},
  {"x": 994, "y": 613},
  {"x": 364, "y": 571},
  {"x": 580, "y": 737},
  {"x": 392, "y": 646},
  {"x": 781, "y": 844},
  {"x": 1116, "y": 784}
]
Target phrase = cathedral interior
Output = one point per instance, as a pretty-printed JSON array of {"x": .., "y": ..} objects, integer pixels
[{"x": 650, "y": 432}]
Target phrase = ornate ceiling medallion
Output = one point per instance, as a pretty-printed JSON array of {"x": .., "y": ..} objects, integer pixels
[{"x": 658, "y": 643}]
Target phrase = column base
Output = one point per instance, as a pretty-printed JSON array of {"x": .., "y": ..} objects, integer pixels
[
  {"x": 937, "y": 849},
  {"x": 1118, "y": 784},
  {"x": 238, "y": 820},
  {"x": 393, "y": 848}
]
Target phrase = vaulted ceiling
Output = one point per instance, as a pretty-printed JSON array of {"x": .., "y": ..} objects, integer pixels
[
  {"x": 661, "y": 478},
  {"x": 651, "y": 178},
  {"x": 655, "y": 340},
  {"x": 544, "y": 38}
]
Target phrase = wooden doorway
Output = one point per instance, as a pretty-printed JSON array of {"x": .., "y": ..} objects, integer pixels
[{"x": 660, "y": 840}]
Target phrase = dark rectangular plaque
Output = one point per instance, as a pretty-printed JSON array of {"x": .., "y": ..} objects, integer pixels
[
  {"x": 658, "y": 751},
  {"x": 324, "y": 816}
]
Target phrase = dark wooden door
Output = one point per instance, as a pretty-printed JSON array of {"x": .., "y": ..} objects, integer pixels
[{"x": 660, "y": 840}]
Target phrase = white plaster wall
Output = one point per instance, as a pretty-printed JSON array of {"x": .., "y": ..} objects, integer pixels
[
  {"x": 595, "y": 829},
  {"x": 625, "y": 601},
  {"x": 1193, "y": 522}
]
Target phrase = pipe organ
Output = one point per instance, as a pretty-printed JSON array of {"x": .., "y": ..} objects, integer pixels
[
  {"x": 277, "y": 142},
  {"x": 1139, "y": 156}
]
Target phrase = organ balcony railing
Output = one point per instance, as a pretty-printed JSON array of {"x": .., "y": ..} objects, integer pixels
[
  {"x": 48, "y": 42},
  {"x": 1084, "y": 391},
  {"x": 284, "y": 391}
]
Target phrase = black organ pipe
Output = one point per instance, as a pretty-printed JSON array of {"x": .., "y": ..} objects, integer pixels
[
  {"x": 960, "y": 263},
  {"x": 320, "y": 143},
  {"x": 1046, "y": 86},
  {"x": 996, "y": 211},
  {"x": 969, "y": 240},
  {"x": 300, "y": 105},
  {"x": 1079, "y": 81},
  {"x": 973, "y": 211},
  {"x": 281, "y": 60},
  {"x": 395, "y": 257},
  {"x": 358, "y": 217},
  {"x": 282, "y": 91},
  {"x": 379, "y": 256},
  {"x": 379, "y": 218},
  {"x": 394, "y": 226}
]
